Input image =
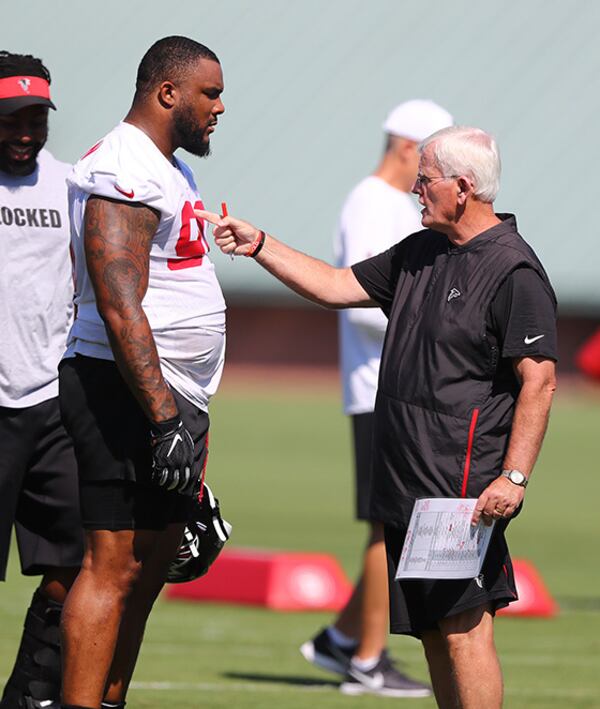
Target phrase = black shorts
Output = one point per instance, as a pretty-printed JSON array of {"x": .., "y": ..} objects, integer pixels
[
  {"x": 38, "y": 490},
  {"x": 417, "y": 605},
  {"x": 362, "y": 434},
  {"x": 123, "y": 504},
  {"x": 111, "y": 436}
]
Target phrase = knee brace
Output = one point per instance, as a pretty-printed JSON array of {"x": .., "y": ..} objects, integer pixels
[{"x": 36, "y": 675}]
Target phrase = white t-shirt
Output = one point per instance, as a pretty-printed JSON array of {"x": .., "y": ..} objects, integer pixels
[
  {"x": 374, "y": 217},
  {"x": 184, "y": 303},
  {"x": 36, "y": 287}
]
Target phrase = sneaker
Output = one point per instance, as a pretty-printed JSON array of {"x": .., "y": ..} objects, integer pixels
[
  {"x": 324, "y": 653},
  {"x": 384, "y": 679}
]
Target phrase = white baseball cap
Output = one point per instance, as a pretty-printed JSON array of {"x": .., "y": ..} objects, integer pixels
[{"x": 417, "y": 119}]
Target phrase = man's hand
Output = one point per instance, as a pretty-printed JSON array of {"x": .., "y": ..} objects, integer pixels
[
  {"x": 309, "y": 277},
  {"x": 499, "y": 500},
  {"x": 173, "y": 457},
  {"x": 232, "y": 236}
]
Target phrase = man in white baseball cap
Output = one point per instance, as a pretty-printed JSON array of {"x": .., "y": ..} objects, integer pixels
[
  {"x": 378, "y": 213},
  {"x": 416, "y": 119}
]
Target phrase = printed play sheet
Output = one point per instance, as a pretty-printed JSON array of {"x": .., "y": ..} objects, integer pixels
[{"x": 441, "y": 543}]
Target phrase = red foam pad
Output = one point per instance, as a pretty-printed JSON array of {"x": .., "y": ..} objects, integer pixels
[
  {"x": 587, "y": 357},
  {"x": 534, "y": 598},
  {"x": 278, "y": 580},
  {"x": 289, "y": 581}
]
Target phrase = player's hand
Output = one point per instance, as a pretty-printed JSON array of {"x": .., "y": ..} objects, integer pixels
[
  {"x": 173, "y": 457},
  {"x": 499, "y": 500},
  {"x": 232, "y": 236}
]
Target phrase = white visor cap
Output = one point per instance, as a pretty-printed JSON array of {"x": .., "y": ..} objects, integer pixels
[{"x": 417, "y": 119}]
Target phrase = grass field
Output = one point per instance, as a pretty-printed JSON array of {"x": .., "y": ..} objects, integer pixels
[{"x": 280, "y": 462}]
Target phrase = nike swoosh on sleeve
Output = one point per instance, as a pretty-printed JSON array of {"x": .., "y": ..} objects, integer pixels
[
  {"x": 528, "y": 340},
  {"x": 129, "y": 194}
]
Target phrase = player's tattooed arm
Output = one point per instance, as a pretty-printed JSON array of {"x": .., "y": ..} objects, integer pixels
[{"x": 117, "y": 241}]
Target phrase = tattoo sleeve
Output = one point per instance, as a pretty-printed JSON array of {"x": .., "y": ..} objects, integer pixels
[{"x": 117, "y": 241}]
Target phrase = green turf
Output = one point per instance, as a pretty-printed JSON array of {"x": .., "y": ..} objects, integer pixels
[{"x": 280, "y": 462}]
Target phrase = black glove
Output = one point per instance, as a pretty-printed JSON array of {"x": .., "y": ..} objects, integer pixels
[{"x": 173, "y": 456}]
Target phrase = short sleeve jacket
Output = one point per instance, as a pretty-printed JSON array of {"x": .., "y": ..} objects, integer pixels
[{"x": 447, "y": 390}]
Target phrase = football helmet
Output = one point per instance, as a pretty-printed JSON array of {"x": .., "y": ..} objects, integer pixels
[{"x": 204, "y": 536}]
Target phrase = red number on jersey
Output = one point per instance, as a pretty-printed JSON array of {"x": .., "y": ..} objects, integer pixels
[{"x": 190, "y": 252}]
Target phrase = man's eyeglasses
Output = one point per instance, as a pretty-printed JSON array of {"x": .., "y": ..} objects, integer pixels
[{"x": 424, "y": 180}]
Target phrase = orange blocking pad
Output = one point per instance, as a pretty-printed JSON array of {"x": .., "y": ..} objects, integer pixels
[
  {"x": 588, "y": 356},
  {"x": 534, "y": 598},
  {"x": 285, "y": 581},
  {"x": 292, "y": 581}
]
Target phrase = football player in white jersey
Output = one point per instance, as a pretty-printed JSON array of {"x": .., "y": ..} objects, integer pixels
[
  {"x": 38, "y": 476},
  {"x": 145, "y": 355}
]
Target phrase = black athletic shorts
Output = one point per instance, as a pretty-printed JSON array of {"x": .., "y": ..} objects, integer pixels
[
  {"x": 362, "y": 434},
  {"x": 417, "y": 605},
  {"x": 111, "y": 436},
  {"x": 38, "y": 490}
]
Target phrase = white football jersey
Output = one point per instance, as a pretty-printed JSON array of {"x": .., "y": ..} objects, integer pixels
[
  {"x": 36, "y": 287},
  {"x": 184, "y": 303},
  {"x": 374, "y": 217}
]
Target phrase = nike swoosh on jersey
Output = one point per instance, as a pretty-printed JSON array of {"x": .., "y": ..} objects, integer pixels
[
  {"x": 528, "y": 340},
  {"x": 129, "y": 194}
]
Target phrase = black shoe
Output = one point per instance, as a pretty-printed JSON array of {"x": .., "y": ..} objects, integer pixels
[
  {"x": 384, "y": 679},
  {"x": 324, "y": 653}
]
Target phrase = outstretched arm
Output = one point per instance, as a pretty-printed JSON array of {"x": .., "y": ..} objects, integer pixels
[
  {"x": 309, "y": 277},
  {"x": 117, "y": 247}
]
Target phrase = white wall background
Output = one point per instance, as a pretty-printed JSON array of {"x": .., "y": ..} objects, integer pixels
[{"x": 308, "y": 84}]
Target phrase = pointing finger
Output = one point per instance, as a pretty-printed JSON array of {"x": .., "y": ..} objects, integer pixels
[{"x": 211, "y": 217}]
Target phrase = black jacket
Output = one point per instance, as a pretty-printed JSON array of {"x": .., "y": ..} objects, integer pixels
[{"x": 442, "y": 417}]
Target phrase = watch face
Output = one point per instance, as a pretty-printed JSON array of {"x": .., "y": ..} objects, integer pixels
[{"x": 517, "y": 477}]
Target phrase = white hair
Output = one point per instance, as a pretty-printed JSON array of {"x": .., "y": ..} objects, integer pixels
[{"x": 461, "y": 150}]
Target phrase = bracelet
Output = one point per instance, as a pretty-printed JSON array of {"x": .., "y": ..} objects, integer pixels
[{"x": 256, "y": 245}]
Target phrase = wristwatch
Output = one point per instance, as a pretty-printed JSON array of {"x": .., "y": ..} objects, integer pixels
[{"x": 516, "y": 477}]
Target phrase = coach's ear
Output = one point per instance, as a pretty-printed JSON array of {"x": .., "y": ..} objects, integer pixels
[
  {"x": 167, "y": 94},
  {"x": 464, "y": 188}
]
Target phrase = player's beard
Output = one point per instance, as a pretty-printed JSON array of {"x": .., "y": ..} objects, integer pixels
[
  {"x": 189, "y": 136},
  {"x": 19, "y": 168}
]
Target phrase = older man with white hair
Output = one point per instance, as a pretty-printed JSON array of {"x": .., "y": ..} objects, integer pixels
[
  {"x": 465, "y": 388},
  {"x": 378, "y": 213}
]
